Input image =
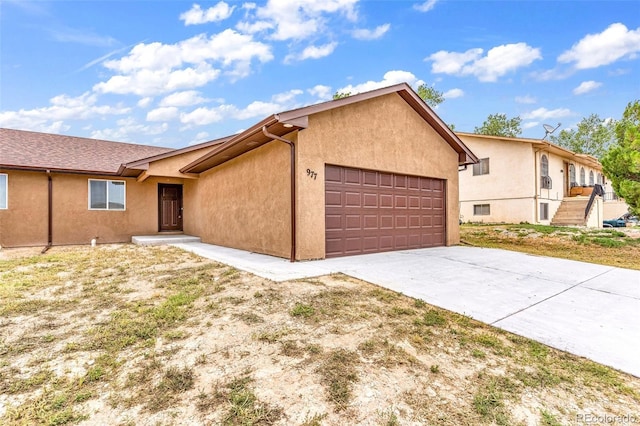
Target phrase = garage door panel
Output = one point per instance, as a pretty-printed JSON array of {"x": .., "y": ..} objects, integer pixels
[
  {"x": 333, "y": 222},
  {"x": 370, "y": 199},
  {"x": 352, "y": 222},
  {"x": 352, "y": 199},
  {"x": 386, "y": 201},
  {"x": 368, "y": 211}
]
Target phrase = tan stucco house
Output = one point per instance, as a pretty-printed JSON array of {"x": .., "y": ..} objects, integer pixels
[
  {"x": 529, "y": 180},
  {"x": 371, "y": 172}
]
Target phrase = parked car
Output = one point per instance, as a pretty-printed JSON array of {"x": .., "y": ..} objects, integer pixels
[{"x": 621, "y": 222}]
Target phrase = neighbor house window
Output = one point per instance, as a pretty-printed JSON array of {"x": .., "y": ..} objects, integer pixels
[
  {"x": 481, "y": 168},
  {"x": 591, "y": 182},
  {"x": 481, "y": 209},
  {"x": 4, "y": 191},
  {"x": 545, "y": 180},
  {"x": 544, "y": 211},
  {"x": 572, "y": 175},
  {"x": 106, "y": 194},
  {"x": 582, "y": 180}
]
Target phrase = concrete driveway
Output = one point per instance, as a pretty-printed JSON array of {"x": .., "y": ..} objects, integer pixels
[{"x": 586, "y": 309}]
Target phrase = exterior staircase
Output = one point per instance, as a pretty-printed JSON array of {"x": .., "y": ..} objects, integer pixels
[{"x": 571, "y": 212}]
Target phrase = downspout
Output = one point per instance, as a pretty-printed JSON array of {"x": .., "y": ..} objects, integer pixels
[
  {"x": 536, "y": 207},
  {"x": 292, "y": 257},
  {"x": 49, "y": 214}
]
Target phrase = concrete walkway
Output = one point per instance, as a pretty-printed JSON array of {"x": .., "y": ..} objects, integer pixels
[{"x": 586, "y": 309}]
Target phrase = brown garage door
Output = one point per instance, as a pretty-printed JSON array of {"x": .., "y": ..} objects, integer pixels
[{"x": 368, "y": 211}]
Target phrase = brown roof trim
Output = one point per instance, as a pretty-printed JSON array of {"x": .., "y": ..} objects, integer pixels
[
  {"x": 230, "y": 149},
  {"x": 296, "y": 119},
  {"x": 145, "y": 161},
  {"x": 564, "y": 152},
  {"x": 60, "y": 170}
]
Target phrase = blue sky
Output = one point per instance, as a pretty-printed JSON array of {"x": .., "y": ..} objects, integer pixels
[{"x": 174, "y": 73}]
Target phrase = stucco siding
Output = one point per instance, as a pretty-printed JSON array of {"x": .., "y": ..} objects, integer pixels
[
  {"x": 378, "y": 134},
  {"x": 25, "y": 222},
  {"x": 500, "y": 211},
  {"x": 244, "y": 203}
]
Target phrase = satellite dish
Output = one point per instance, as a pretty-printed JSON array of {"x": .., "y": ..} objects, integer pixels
[{"x": 548, "y": 129}]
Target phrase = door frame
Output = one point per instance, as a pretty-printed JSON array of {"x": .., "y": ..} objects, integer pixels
[{"x": 178, "y": 186}]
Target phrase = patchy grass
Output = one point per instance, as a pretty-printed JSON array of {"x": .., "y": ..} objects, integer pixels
[
  {"x": 125, "y": 335},
  {"x": 602, "y": 246}
]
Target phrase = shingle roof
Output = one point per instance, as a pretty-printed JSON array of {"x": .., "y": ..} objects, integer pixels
[{"x": 42, "y": 151}]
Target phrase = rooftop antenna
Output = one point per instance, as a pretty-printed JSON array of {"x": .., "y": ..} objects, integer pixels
[{"x": 548, "y": 129}]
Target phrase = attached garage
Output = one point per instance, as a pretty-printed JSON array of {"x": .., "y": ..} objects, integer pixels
[
  {"x": 372, "y": 172},
  {"x": 369, "y": 211}
]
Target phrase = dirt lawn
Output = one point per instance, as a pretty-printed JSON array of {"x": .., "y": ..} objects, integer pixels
[{"x": 128, "y": 335}]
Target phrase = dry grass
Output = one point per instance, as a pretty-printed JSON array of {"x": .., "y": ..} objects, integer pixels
[
  {"x": 613, "y": 247},
  {"x": 125, "y": 335}
]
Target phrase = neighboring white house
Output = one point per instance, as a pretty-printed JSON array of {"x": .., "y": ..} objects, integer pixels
[{"x": 528, "y": 180}]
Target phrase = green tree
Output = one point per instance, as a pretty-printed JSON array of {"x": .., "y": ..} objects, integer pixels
[
  {"x": 431, "y": 96},
  {"x": 500, "y": 125},
  {"x": 340, "y": 95},
  {"x": 593, "y": 136},
  {"x": 621, "y": 163}
]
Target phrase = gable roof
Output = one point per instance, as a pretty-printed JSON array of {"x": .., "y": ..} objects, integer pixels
[
  {"x": 297, "y": 119},
  {"x": 589, "y": 160},
  {"x": 20, "y": 149}
]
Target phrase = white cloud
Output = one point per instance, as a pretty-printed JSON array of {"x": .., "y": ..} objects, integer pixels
[
  {"x": 453, "y": 93},
  {"x": 155, "y": 68},
  {"x": 201, "y": 116},
  {"x": 530, "y": 124},
  {"x": 145, "y": 102},
  {"x": 296, "y": 19},
  {"x": 498, "y": 61},
  {"x": 365, "y": 34},
  {"x": 196, "y": 15},
  {"x": 257, "y": 109},
  {"x": 525, "y": 99},
  {"x": 595, "y": 50},
  {"x": 63, "y": 107},
  {"x": 321, "y": 91},
  {"x": 389, "y": 79},
  {"x": 162, "y": 114},
  {"x": 200, "y": 137},
  {"x": 127, "y": 127},
  {"x": 426, "y": 6},
  {"x": 181, "y": 99},
  {"x": 545, "y": 114},
  {"x": 312, "y": 52},
  {"x": 286, "y": 97},
  {"x": 89, "y": 38},
  {"x": 586, "y": 87}
]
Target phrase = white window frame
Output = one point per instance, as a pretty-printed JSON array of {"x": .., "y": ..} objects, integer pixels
[
  {"x": 591, "y": 178},
  {"x": 108, "y": 181},
  {"x": 4, "y": 204},
  {"x": 583, "y": 179},
  {"x": 481, "y": 167},
  {"x": 478, "y": 209}
]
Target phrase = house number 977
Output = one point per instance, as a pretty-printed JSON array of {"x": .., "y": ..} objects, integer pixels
[{"x": 313, "y": 175}]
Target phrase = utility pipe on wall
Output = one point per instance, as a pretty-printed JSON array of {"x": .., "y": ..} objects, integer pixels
[
  {"x": 292, "y": 257},
  {"x": 49, "y": 214}
]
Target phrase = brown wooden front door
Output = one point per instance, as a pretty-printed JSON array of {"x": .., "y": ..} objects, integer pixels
[{"x": 169, "y": 207}]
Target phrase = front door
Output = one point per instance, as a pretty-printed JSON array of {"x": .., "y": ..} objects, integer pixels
[{"x": 169, "y": 207}]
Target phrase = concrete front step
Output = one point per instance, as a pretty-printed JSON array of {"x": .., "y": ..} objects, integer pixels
[{"x": 159, "y": 240}]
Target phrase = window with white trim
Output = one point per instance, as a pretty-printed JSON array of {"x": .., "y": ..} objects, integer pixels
[
  {"x": 545, "y": 179},
  {"x": 481, "y": 168},
  {"x": 591, "y": 182},
  {"x": 107, "y": 194},
  {"x": 4, "y": 191},
  {"x": 544, "y": 211},
  {"x": 599, "y": 179},
  {"x": 572, "y": 176},
  {"x": 582, "y": 177},
  {"x": 481, "y": 209}
]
